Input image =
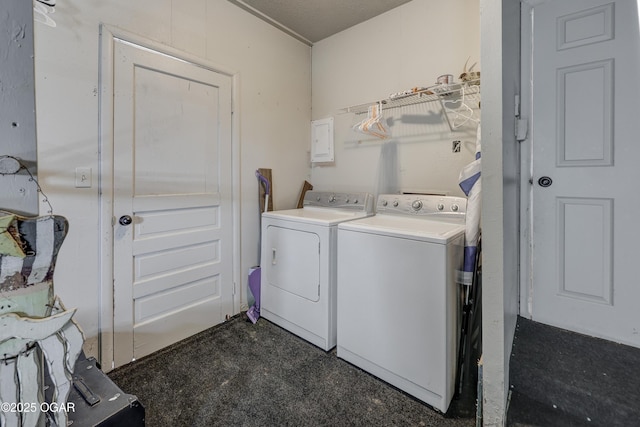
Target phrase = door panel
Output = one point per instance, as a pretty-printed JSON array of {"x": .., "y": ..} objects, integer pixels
[
  {"x": 172, "y": 176},
  {"x": 585, "y": 138},
  {"x": 167, "y": 108},
  {"x": 585, "y": 117},
  {"x": 584, "y": 249}
]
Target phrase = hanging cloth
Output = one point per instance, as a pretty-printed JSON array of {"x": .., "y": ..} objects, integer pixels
[{"x": 470, "y": 183}]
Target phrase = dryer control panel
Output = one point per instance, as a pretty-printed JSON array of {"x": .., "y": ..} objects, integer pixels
[
  {"x": 422, "y": 205},
  {"x": 327, "y": 199}
]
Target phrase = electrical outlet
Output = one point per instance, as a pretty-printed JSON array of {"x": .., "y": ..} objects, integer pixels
[
  {"x": 455, "y": 147},
  {"x": 83, "y": 177}
]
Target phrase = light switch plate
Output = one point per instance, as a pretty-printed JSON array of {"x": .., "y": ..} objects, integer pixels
[{"x": 83, "y": 177}]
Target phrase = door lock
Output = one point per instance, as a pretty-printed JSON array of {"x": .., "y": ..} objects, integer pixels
[
  {"x": 545, "y": 181},
  {"x": 125, "y": 220}
]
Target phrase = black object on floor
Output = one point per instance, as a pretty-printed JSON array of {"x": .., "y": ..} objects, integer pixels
[
  {"x": 562, "y": 378},
  {"x": 244, "y": 374},
  {"x": 98, "y": 402},
  {"x": 470, "y": 348}
]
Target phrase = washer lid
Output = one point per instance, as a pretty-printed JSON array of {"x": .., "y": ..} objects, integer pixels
[
  {"x": 416, "y": 228},
  {"x": 319, "y": 216}
]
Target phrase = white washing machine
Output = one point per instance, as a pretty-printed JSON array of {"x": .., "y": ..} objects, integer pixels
[
  {"x": 398, "y": 302},
  {"x": 298, "y": 263}
]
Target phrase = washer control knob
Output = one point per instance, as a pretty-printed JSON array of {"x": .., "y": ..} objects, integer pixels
[
  {"x": 332, "y": 198},
  {"x": 395, "y": 203},
  {"x": 384, "y": 203},
  {"x": 355, "y": 201},
  {"x": 346, "y": 200},
  {"x": 455, "y": 207},
  {"x": 317, "y": 198},
  {"x": 416, "y": 205},
  {"x": 440, "y": 207}
]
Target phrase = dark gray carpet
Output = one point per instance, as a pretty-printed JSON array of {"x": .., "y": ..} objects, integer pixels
[
  {"x": 561, "y": 378},
  {"x": 241, "y": 374}
]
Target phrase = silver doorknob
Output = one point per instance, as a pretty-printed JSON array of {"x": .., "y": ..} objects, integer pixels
[
  {"x": 125, "y": 220},
  {"x": 545, "y": 181}
]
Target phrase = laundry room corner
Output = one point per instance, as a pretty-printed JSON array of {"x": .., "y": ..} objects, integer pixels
[{"x": 368, "y": 63}]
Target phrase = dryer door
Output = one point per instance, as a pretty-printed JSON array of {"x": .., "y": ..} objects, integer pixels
[{"x": 291, "y": 261}]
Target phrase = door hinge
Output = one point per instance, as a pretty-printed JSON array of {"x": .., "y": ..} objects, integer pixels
[
  {"x": 522, "y": 125},
  {"x": 522, "y": 128}
]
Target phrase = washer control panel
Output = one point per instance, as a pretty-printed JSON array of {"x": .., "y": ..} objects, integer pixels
[
  {"x": 415, "y": 204},
  {"x": 328, "y": 199}
]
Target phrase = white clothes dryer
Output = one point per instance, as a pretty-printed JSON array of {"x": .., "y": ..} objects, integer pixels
[
  {"x": 298, "y": 283},
  {"x": 398, "y": 302}
]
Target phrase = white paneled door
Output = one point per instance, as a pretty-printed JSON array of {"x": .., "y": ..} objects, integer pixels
[
  {"x": 585, "y": 157},
  {"x": 172, "y": 200}
]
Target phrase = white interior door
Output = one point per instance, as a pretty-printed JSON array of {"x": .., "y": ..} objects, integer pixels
[
  {"x": 585, "y": 153},
  {"x": 172, "y": 182}
]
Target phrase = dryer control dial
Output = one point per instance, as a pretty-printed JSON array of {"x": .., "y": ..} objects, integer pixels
[
  {"x": 395, "y": 203},
  {"x": 332, "y": 198},
  {"x": 416, "y": 205},
  {"x": 455, "y": 207},
  {"x": 440, "y": 206}
]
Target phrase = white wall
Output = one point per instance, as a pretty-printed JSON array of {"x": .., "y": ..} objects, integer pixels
[
  {"x": 406, "y": 47},
  {"x": 500, "y": 202},
  {"x": 272, "y": 90}
]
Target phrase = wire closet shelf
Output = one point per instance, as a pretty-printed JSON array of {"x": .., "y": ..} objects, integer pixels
[{"x": 460, "y": 101}]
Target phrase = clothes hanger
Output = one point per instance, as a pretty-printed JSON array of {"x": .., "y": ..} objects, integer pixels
[
  {"x": 462, "y": 113},
  {"x": 374, "y": 124},
  {"x": 378, "y": 127}
]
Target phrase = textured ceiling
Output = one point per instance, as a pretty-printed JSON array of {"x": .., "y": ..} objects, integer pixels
[{"x": 315, "y": 20}]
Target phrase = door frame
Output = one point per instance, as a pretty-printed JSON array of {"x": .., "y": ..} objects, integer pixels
[
  {"x": 526, "y": 160},
  {"x": 107, "y": 36}
]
